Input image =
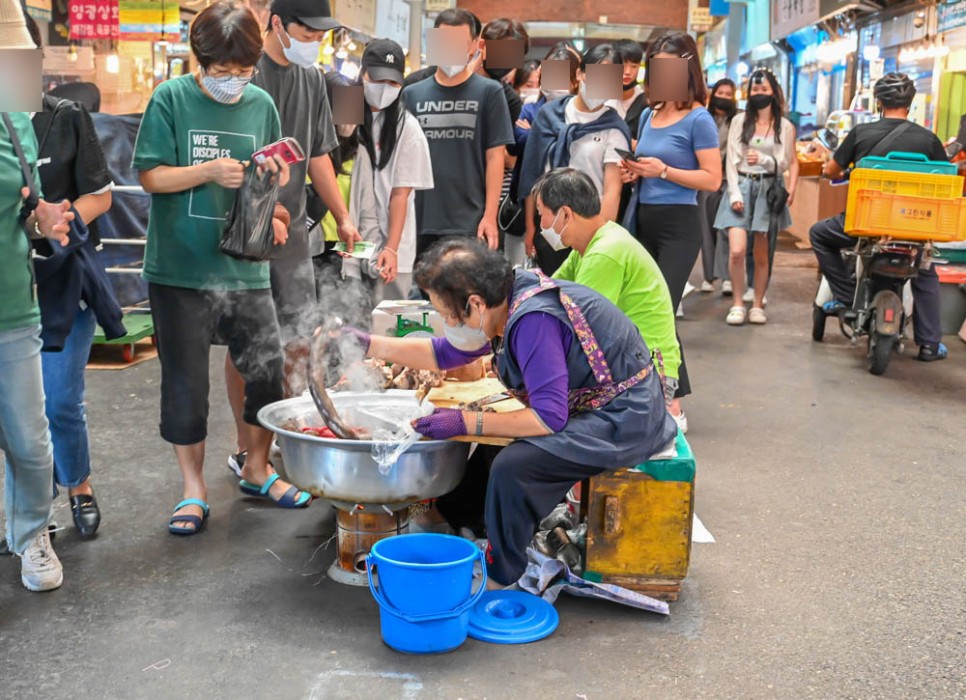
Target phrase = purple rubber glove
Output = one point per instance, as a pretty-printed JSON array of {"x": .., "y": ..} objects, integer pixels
[
  {"x": 351, "y": 336},
  {"x": 442, "y": 424}
]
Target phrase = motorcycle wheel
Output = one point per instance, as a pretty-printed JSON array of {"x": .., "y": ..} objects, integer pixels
[
  {"x": 880, "y": 352},
  {"x": 818, "y": 323}
]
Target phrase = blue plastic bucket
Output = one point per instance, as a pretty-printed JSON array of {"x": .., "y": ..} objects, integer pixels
[{"x": 424, "y": 590}]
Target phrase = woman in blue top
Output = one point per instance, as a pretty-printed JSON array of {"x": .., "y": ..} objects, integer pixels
[{"x": 677, "y": 155}]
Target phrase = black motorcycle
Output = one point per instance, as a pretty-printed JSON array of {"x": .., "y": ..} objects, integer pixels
[{"x": 883, "y": 267}]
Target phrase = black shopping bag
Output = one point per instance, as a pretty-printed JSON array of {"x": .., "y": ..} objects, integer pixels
[{"x": 249, "y": 234}]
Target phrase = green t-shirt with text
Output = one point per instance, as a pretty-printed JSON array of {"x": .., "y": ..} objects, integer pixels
[
  {"x": 18, "y": 300},
  {"x": 182, "y": 127},
  {"x": 618, "y": 267}
]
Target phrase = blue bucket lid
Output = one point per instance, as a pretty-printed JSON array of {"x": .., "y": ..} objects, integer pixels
[{"x": 512, "y": 617}]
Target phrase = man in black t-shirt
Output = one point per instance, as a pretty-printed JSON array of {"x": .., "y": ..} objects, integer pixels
[
  {"x": 467, "y": 123},
  {"x": 894, "y": 93}
]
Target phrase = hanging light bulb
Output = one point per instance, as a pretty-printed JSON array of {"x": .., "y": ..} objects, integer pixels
[{"x": 112, "y": 64}]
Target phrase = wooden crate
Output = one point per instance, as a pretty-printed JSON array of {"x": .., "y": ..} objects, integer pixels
[{"x": 639, "y": 525}]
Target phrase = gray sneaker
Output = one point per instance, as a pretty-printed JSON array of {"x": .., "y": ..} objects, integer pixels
[{"x": 40, "y": 569}]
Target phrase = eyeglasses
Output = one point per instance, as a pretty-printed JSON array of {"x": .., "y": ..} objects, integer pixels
[{"x": 246, "y": 74}]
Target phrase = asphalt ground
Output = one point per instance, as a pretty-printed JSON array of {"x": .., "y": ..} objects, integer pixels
[{"x": 836, "y": 499}]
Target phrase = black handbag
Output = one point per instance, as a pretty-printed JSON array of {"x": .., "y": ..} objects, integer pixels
[
  {"x": 777, "y": 195},
  {"x": 249, "y": 234}
]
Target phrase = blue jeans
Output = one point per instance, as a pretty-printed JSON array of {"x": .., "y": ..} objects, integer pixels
[
  {"x": 24, "y": 437},
  {"x": 64, "y": 386}
]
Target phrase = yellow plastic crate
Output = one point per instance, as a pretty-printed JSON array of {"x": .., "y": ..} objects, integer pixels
[
  {"x": 872, "y": 213},
  {"x": 906, "y": 184}
]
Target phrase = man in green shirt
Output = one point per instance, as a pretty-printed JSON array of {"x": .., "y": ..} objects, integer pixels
[
  {"x": 609, "y": 260},
  {"x": 24, "y": 434}
]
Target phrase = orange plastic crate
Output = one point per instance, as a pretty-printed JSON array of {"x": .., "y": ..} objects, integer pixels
[{"x": 872, "y": 213}]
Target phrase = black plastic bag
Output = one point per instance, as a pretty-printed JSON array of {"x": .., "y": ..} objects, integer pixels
[{"x": 249, "y": 234}]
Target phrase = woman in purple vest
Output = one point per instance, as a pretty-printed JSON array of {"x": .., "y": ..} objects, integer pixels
[{"x": 589, "y": 407}]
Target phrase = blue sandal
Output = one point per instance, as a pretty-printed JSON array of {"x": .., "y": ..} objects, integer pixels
[
  {"x": 288, "y": 500},
  {"x": 198, "y": 523}
]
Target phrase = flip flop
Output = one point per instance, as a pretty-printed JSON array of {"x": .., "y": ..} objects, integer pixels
[
  {"x": 198, "y": 523},
  {"x": 288, "y": 500}
]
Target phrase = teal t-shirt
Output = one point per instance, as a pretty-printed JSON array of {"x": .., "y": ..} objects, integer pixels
[
  {"x": 18, "y": 300},
  {"x": 618, "y": 267},
  {"x": 181, "y": 127}
]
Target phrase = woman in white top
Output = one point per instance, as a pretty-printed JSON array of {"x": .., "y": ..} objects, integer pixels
[
  {"x": 761, "y": 148},
  {"x": 594, "y": 132},
  {"x": 393, "y": 161}
]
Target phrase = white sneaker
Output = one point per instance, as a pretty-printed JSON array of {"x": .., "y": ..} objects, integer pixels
[
  {"x": 726, "y": 288},
  {"x": 40, "y": 569},
  {"x": 707, "y": 287},
  {"x": 680, "y": 312},
  {"x": 682, "y": 421},
  {"x": 688, "y": 289}
]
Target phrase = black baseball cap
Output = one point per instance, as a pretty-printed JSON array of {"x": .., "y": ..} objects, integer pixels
[
  {"x": 383, "y": 59},
  {"x": 315, "y": 14}
]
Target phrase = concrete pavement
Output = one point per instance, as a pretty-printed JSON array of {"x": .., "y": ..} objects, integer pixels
[{"x": 836, "y": 498}]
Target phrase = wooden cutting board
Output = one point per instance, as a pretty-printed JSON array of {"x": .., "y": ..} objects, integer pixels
[{"x": 452, "y": 394}]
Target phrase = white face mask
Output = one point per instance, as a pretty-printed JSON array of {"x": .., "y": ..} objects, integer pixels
[
  {"x": 592, "y": 103},
  {"x": 453, "y": 71},
  {"x": 466, "y": 338},
  {"x": 552, "y": 237},
  {"x": 380, "y": 95},
  {"x": 529, "y": 94},
  {"x": 301, "y": 53},
  {"x": 555, "y": 94},
  {"x": 345, "y": 130}
]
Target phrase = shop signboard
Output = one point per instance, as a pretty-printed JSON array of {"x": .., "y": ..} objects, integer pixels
[
  {"x": 700, "y": 19},
  {"x": 357, "y": 14},
  {"x": 40, "y": 9},
  {"x": 149, "y": 20},
  {"x": 952, "y": 15},
  {"x": 439, "y": 5},
  {"x": 392, "y": 21},
  {"x": 94, "y": 19},
  {"x": 788, "y": 16}
]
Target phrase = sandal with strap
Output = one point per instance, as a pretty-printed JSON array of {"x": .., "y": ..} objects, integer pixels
[
  {"x": 198, "y": 523},
  {"x": 290, "y": 499}
]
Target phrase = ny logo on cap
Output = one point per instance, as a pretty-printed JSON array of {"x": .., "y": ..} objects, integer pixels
[{"x": 390, "y": 58}]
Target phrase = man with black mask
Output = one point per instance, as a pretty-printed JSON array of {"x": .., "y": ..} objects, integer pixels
[
  {"x": 633, "y": 101},
  {"x": 893, "y": 93},
  {"x": 501, "y": 29}
]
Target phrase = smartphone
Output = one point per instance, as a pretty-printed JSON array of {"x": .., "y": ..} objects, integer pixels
[
  {"x": 288, "y": 148},
  {"x": 626, "y": 155}
]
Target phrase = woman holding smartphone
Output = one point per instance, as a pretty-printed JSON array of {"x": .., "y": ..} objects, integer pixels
[{"x": 677, "y": 155}]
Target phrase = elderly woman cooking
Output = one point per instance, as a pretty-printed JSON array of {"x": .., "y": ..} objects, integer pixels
[{"x": 593, "y": 399}]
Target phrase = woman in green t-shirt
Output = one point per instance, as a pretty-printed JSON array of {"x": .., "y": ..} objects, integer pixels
[{"x": 196, "y": 137}]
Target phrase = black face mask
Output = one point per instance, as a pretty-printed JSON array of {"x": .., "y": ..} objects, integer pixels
[
  {"x": 723, "y": 104},
  {"x": 761, "y": 102},
  {"x": 630, "y": 86},
  {"x": 497, "y": 73}
]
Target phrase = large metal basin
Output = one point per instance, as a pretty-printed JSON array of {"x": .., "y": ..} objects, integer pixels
[{"x": 344, "y": 471}]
